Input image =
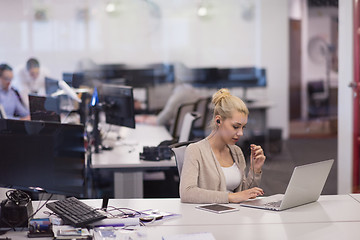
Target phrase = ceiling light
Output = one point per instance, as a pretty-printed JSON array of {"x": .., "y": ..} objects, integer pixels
[
  {"x": 110, "y": 7},
  {"x": 202, "y": 11}
]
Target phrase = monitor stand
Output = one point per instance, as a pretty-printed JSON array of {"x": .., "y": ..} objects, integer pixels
[{"x": 96, "y": 131}]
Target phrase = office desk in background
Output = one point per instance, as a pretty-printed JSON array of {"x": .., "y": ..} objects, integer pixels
[
  {"x": 332, "y": 217},
  {"x": 125, "y": 161},
  {"x": 257, "y": 127}
]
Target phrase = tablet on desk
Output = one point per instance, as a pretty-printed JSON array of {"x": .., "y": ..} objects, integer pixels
[{"x": 217, "y": 208}]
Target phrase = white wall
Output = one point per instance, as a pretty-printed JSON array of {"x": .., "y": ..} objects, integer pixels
[
  {"x": 139, "y": 33},
  {"x": 235, "y": 33},
  {"x": 345, "y": 112}
]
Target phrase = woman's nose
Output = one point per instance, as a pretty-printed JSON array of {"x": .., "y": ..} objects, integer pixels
[{"x": 240, "y": 132}]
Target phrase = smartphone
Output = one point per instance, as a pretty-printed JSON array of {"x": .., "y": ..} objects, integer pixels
[{"x": 217, "y": 208}]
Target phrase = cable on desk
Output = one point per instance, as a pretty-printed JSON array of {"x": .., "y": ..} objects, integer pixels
[
  {"x": 19, "y": 196},
  {"x": 124, "y": 213},
  {"x": 37, "y": 210}
]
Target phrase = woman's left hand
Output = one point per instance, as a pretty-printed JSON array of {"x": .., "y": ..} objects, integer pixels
[{"x": 257, "y": 157}]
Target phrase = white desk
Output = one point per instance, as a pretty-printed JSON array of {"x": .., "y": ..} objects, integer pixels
[
  {"x": 332, "y": 217},
  {"x": 124, "y": 159},
  {"x": 299, "y": 231},
  {"x": 356, "y": 197},
  {"x": 332, "y": 208}
]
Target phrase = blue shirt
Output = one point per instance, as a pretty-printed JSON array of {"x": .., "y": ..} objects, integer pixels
[{"x": 11, "y": 104}]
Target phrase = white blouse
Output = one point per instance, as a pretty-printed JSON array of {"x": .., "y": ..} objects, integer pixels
[{"x": 232, "y": 177}]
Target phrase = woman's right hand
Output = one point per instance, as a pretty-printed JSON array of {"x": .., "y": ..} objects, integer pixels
[{"x": 245, "y": 195}]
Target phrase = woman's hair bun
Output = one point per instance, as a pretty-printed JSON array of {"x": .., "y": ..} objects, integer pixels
[{"x": 220, "y": 95}]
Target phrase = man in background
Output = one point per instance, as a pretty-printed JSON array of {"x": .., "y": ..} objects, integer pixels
[
  {"x": 30, "y": 79},
  {"x": 9, "y": 99}
]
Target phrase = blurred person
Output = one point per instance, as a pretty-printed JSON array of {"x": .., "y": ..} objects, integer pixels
[
  {"x": 30, "y": 79},
  {"x": 9, "y": 99},
  {"x": 183, "y": 93}
]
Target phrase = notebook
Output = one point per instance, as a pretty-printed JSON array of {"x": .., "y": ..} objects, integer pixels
[{"x": 305, "y": 186}]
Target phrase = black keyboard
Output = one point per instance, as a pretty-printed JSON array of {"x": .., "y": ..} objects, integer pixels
[{"x": 74, "y": 212}]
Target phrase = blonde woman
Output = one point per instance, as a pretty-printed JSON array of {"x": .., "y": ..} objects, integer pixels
[{"x": 214, "y": 168}]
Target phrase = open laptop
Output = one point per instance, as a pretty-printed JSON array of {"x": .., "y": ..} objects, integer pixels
[{"x": 305, "y": 186}]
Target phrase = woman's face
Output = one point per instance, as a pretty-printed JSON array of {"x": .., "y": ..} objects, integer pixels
[
  {"x": 5, "y": 79},
  {"x": 231, "y": 129}
]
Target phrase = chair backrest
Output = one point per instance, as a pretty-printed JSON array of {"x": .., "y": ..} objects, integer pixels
[
  {"x": 187, "y": 125},
  {"x": 178, "y": 150},
  {"x": 317, "y": 90},
  {"x": 202, "y": 107},
  {"x": 182, "y": 110}
]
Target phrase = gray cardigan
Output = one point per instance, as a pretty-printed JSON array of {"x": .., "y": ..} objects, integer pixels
[{"x": 202, "y": 179}]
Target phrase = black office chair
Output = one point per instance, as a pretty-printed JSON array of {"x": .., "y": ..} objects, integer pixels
[
  {"x": 200, "y": 126},
  {"x": 182, "y": 110},
  {"x": 318, "y": 99}
]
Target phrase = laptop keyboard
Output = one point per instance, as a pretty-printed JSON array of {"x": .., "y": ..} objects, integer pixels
[{"x": 273, "y": 204}]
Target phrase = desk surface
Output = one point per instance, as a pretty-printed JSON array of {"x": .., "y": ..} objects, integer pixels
[
  {"x": 125, "y": 153},
  {"x": 332, "y": 217},
  {"x": 260, "y": 104},
  {"x": 342, "y": 208},
  {"x": 356, "y": 197}
]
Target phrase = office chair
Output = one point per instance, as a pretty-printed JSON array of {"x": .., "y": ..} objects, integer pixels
[
  {"x": 182, "y": 110},
  {"x": 185, "y": 132},
  {"x": 318, "y": 99},
  {"x": 170, "y": 176},
  {"x": 187, "y": 125},
  {"x": 200, "y": 125},
  {"x": 178, "y": 150}
]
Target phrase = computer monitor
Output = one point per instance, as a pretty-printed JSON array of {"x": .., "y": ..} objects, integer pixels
[
  {"x": 118, "y": 105},
  {"x": 202, "y": 77},
  {"x": 74, "y": 79},
  {"x": 49, "y": 156},
  {"x": 246, "y": 77},
  {"x": 112, "y": 71},
  {"x": 51, "y": 85},
  {"x": 44, "y": 108},
  {"x": 149, "y": 75}
]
